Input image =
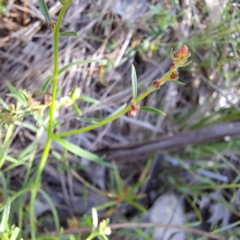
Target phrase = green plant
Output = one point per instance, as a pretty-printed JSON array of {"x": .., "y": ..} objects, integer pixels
[
  {"x": 43, "y": 113},
  {"x": 100, "y": 230},
  {"x": 2, "y": 8},
  {"x": 7, "y": 233}
]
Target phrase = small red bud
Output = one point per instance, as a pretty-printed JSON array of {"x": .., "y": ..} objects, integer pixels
[
  {"x": 174, "y": 75},
  {"x": 135, "y": 106},
  {"x": 156, "y": 84},
  {"x": 181, "y": 55},
  {"x": 52, "y": 24},
  {"x": 173, "y": 65},
  {"x": 132, "y": 113},
  {"x": 176, "y": 55},
  {"x": 184, "y": 49}
]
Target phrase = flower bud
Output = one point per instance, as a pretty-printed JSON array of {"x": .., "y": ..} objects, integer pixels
[
  {"x": 176, "y": 55},
  {"x": 132, "y": 113},
  {"x": 135, "y": 106},
  {"x": 181, "y": 56},
  {"x": 173, "y": 65},
  {"x": 52, "y": 24},
  {"x": 183, "y": 49},
  {"x": 173, "y": 75},
  {"x": 156, "y": 84},
  {"x": 107, "y": 231}
]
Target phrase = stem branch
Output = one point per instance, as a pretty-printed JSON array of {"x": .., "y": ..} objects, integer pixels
[{"x": 105, "y": 121}]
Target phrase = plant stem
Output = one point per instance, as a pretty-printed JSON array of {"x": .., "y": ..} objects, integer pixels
[
  {"x": 105, "y": 121},
  {"x": 6, "y": 143},
  {"x": 93, "y": 126},
  {"x": 55, "y": 61},
  {"x": 92, "y": 235},
  {"x": 54, "y": 94},
  {"x": 51, "y": 120},
  {"x": 32, "y": 213},
  {"x": 43, "y": 161}
]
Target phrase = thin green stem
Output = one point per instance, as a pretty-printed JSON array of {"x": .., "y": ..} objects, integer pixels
[
  {"x": 55, "y": 62},
  {"x": 20, "y": 211},
  {"x": 9, "y": 134},
  {"x": 92, "y": 235},
  {"x": 32, "y": 214},
  {"x": 214, "y": 186},
  {"x": 51, "y": 120},
  {"x": 93, "y": 126},
  {"x": 105, "y": 121},
  {"x": 33, "y": 153},
  {"x": 6, "y": 143},
  {"x": 145, "y": 94},
  {"x": 54, "y": 94},
  {"x": 53, "y": 208},
  {"x": 43, "y": 161}
]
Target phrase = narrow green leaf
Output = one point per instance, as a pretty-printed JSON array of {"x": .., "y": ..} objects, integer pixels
[
  {"x": 177, "y": 82},
  {"x": 69, "y": 33},
  {"x": 136, "y": 205},
  {"x": 46, "y": 83},
  {"x": 139, "y": 184},
  {"x": 18, "y": 97},
  {"x": 188, "y": 63},
  {"x": 5, "y": 216},
  {"x": 4, "y": 104},
  {"x": 28, "y": 150},
  {"x": 4, "y": 185},
  {"x": 88, "y": 120},
  {"x": 77, "y": 110},
  {"x": 141, "y": 233},
  {"x": 118, "y": 180},
  {"x": 88, "y": 99},
  {"x": 153, "y": 110},
  {"x": 80, "y": 62},
  {"x": 53, "y": 208},
  {"x": 44, "y": 10},
  {"x": 63, "y": 2},
  {"x": 57, "y": 155},
  {"x": 108, "y": 204},
  {"x": 11, "y": 88},
  {"x": 80, "y": 152},
  {"x": 13, "y": 160},
  {"x": 134, "y": 83},
  {"x": 117, "y": 111},
  {"x": 27, "y": 125},
  {"x": 104, "y": 237},
  {"x": 14, "y": 164}
]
